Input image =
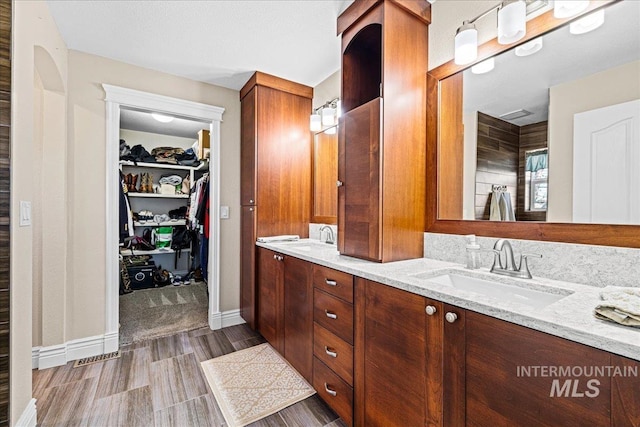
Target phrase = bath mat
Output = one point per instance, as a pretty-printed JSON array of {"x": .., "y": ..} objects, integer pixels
[
  {"x": 254, "y": 383},
  {"x": 95, "y": 359}
]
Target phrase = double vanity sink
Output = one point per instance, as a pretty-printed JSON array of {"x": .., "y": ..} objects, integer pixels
[{"x": 563, "y": 309}]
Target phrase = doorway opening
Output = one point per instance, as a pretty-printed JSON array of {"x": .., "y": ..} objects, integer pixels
[{"x": 152, "y": 310}]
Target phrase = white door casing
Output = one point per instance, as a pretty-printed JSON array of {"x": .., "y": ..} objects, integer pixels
[
  {"x": 115, "y": 98},
  {"x": 606, "y": 165}
]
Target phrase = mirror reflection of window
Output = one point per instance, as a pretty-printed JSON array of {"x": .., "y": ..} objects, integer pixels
[{"x": 536, "y": 180}]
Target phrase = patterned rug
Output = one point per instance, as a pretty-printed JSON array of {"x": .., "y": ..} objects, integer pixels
[{"x": 254, "y": 383}]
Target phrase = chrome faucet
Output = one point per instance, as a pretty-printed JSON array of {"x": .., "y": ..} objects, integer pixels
[
  {"x": 509, "y": 267},
  {"x": 330, "y": 236}
]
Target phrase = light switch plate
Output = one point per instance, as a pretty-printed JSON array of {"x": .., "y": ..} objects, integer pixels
[
  {"x": 25, "y": 213},
  {"x": 224, "y": 212}
]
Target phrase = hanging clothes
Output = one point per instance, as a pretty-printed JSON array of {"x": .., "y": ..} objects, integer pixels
[
  {"x": 125, "y": 216},
  {"x": 199, "y": 219}
]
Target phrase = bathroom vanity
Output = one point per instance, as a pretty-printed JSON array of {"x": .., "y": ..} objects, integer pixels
[{"x": 426, "y": 342}]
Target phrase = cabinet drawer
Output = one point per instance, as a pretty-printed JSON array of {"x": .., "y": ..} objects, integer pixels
[
  {"x": 334, "y": 314},
  {"x": 334, "y": 282},
  {"x": 333, "y": 390},
  {"x": 334, "y": 352}
]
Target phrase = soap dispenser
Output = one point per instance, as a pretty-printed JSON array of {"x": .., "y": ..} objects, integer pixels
[{"x": 473, "y": 252}]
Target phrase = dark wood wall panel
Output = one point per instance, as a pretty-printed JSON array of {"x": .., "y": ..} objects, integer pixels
[
  {"x": 497, "y": 160},
  {"x": 532, "y": 137},
  {"x": 5, "y": 132}
]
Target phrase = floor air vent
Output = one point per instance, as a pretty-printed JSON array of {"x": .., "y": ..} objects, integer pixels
[{"x": 95, "y": 359}]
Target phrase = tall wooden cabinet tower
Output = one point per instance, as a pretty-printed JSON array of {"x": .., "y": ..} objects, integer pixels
[
  {"x": 382, "y": 139},
  {"x": 275, "y": 170}
]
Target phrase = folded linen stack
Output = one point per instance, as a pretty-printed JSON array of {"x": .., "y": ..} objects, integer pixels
[
  {"x": 620, "y": 305},
  {"x": 282, "y": 238}
]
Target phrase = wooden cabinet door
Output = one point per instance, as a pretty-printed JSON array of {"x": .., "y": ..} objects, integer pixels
[
  {"x": 625, "y": 393},
  {"x": 248, "y": 140},
  {"x": 390, "y": 356},
  {"x": 298, "y": 315},
  {"x": 247, "y": 265},
  {"x": 359, "y": 170},
  {"x": 270, "y": 297},
  {"x": 510, "y": 381}
]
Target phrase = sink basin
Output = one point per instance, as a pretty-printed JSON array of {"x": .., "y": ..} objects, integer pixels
[
  {"x": 308, "y": 246},
  {"x": 507, "y": 293}
]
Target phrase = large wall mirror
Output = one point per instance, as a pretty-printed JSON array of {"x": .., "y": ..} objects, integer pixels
[
  {"x": 325, "y": 175},
  {"x": 547, "y": 143}
]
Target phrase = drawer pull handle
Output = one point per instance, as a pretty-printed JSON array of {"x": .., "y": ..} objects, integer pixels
[
  {"x": 330, "y": 352},
  {"x": 431, "y": 310},
  {"x": 330, "y": 315},
  {"x": 451, "y": 317},
  {"x": 330, "y": 282},
  {"x": 328, "y": 390}
]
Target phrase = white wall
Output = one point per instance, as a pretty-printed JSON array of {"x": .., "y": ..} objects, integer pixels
[
  {"x": 327, "y": 89},
  {"x": 613, "y": 86},
  {"x": 32, "y": 27}
]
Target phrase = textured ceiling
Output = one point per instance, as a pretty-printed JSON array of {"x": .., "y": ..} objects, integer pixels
[{"x": 217, "y": 41}]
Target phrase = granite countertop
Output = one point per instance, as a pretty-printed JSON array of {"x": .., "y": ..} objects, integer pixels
[{"x": 570, "y": 317}]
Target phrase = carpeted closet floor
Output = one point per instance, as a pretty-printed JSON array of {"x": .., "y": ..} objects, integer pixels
[{"x": 158, "y": 312}]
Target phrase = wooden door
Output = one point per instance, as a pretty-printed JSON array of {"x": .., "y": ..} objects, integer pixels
[
  {"x": 606, "y": 165},
  {"x": 248, "y": 141},
  {"x": 284, "y": 163},
  {"x": 270, "y": 297},
  {"x": 390, "y": 356},
  {"x": 298, "y": 315},
  {"x": 359, "y": 170},
  {"x": 247, "y": 265},
  {"x": 625, "y": 393},
  {"x": 507, "y": 386}
]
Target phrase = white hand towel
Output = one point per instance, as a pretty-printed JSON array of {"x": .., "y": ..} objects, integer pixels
[
  {"x": 282, "y": 238},
  {"x": 619, "y": 304}
]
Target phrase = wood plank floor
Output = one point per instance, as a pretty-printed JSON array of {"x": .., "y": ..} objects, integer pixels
[{"x": 157, "y": 382}]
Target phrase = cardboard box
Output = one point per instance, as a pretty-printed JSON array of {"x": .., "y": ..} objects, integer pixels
[{"x": 204, "y": 144}]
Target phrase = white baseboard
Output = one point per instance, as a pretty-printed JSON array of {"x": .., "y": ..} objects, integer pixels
[
  {"x": 58, "y": 355},
  {"x": 225, "y": 319},
  {"x": 29, "y": 416}
]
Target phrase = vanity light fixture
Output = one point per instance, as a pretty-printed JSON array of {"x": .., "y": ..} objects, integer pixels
[
  {"x": 325, "y": 115},
  {"x": 588, "y": 23},
  {"x": 512, "y": 22},
  {"x": 529, "y": 48},
  {"x": 568, "y": 8},
  {"x": 484, "y": 66},
  {"x": 162, "y": 118}
]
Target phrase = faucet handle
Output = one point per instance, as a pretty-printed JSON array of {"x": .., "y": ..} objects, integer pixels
[{"x": 524, "y": 265}]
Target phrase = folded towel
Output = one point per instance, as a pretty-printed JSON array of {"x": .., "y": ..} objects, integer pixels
[
  {"x": 283, "y": 238},
  {"x": 620, "y": 305}
]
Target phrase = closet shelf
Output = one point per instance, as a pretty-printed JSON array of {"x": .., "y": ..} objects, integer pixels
[
  {"x": 129, "y": 252},
  {"x": 201, "y": 166},
  {"x": 159, "y": 196},
  {"x": 160, "y": 224}
]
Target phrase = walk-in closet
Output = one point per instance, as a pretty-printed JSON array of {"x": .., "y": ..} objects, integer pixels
[{"x": 163, "y": 224}]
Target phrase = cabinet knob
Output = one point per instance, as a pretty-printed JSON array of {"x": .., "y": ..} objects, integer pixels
[
  {"x": 451, "y": 317},
  {"x": 431, "y": 310},
  {"x": 250, "y": 200},
  {"x": 330, "y": 282},
  {"x": 250, "y": 209},
  {"x": 278, "y": 257},
  {"x": 339, "y": 183},
  {"x": 328, "y": 390},
  {"x": 330, "y": 314},
  {"x": 330, "y": 352}
]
